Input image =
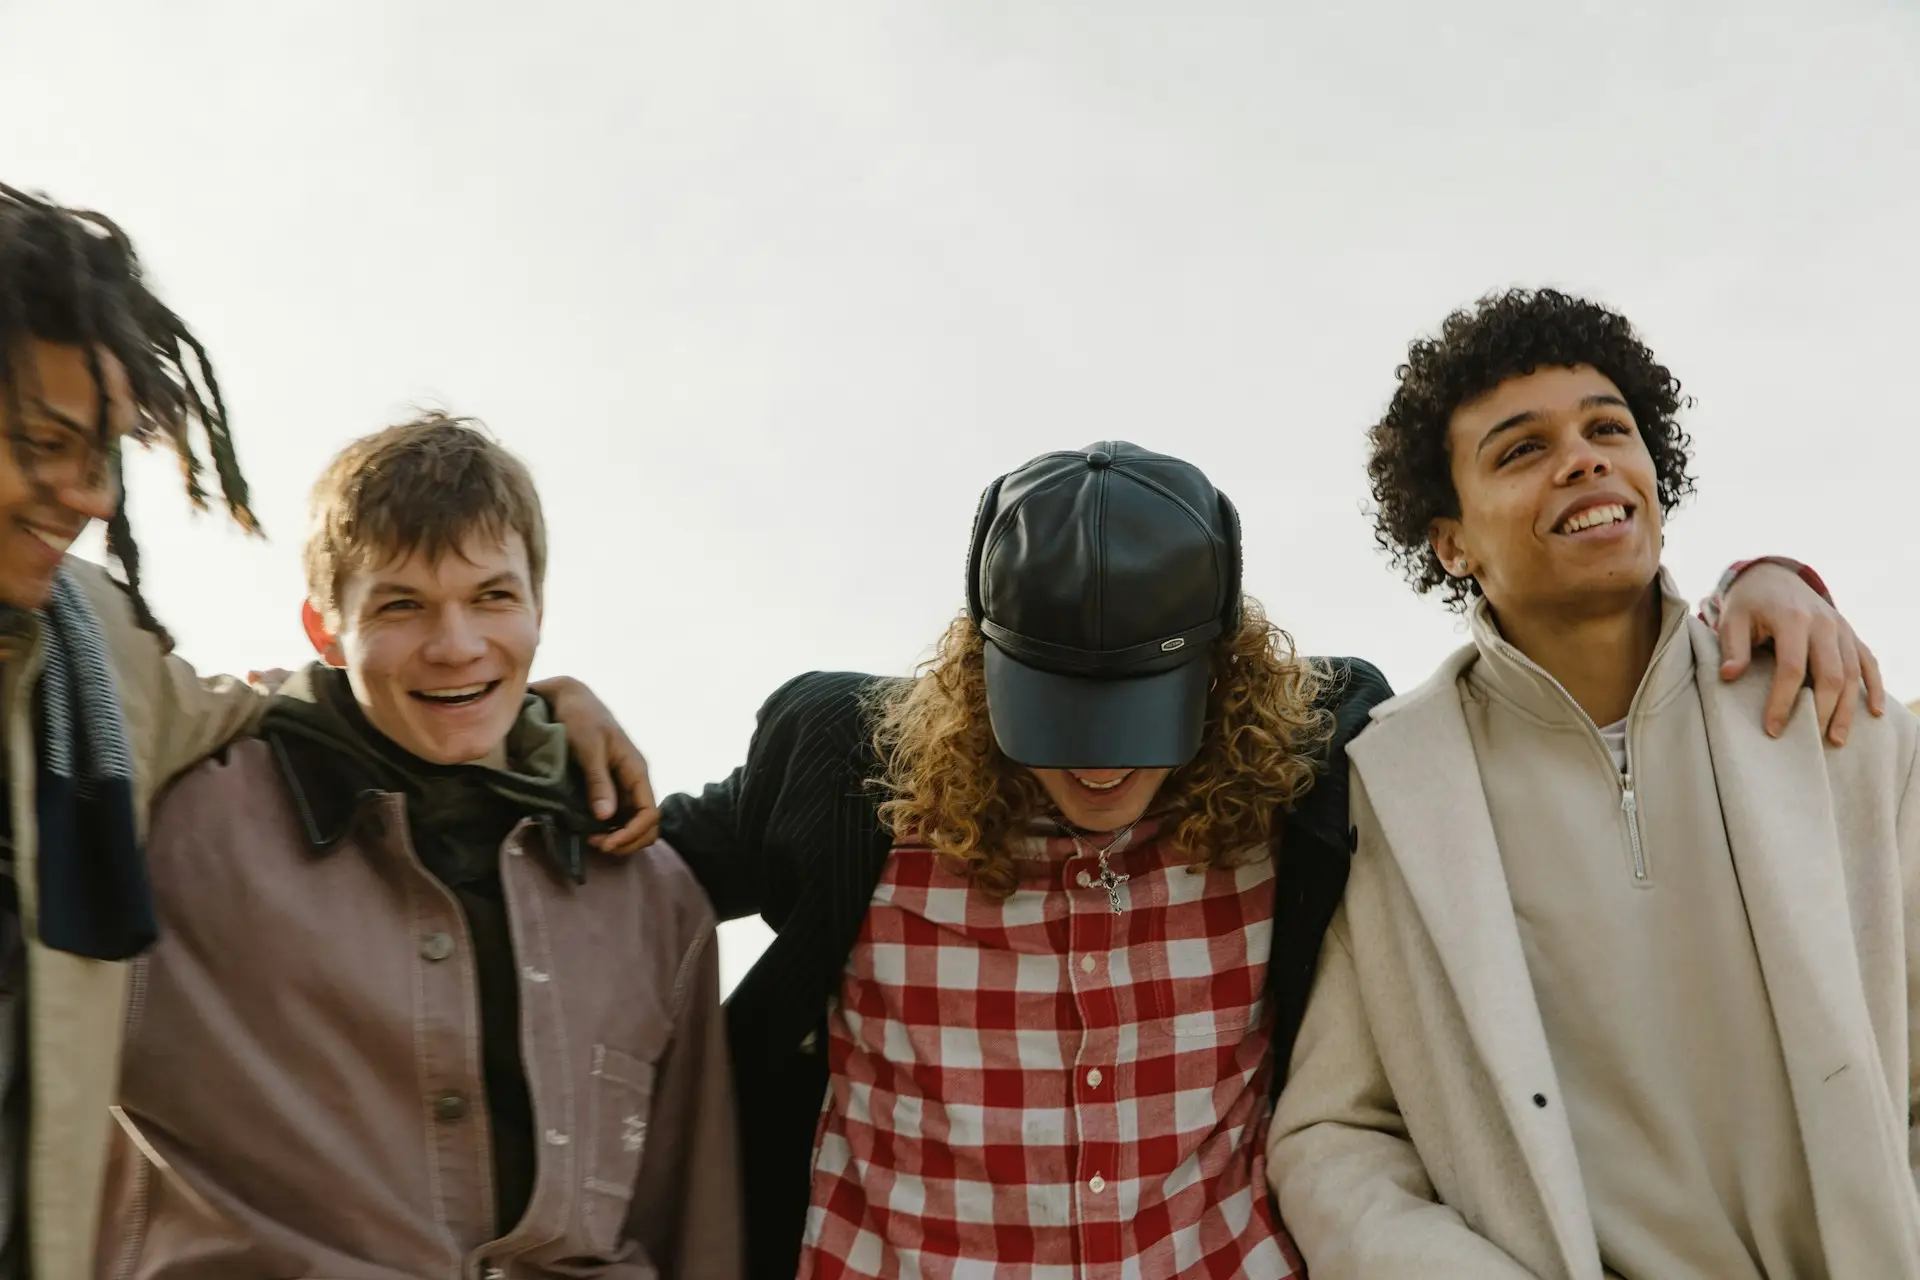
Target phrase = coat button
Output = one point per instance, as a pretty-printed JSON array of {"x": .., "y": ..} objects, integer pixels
[
  {"x": 437, "y": 946},
  {"x": 449, "y": 1107}
]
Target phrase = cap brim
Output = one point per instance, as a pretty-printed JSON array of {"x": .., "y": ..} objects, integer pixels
[{"x": 1048, "y": 721}]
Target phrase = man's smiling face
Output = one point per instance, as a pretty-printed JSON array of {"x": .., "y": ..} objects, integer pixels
[
  {"x": 1559, "y": 496},
  {"x": 56, "y": 472},
  {"x": 438, "y": 650}
]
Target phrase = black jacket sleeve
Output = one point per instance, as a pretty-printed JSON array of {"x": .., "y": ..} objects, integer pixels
[{"x": 742, "y": 836}]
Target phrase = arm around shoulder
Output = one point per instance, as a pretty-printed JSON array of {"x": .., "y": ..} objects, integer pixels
[{"x": 182, "y": 716}]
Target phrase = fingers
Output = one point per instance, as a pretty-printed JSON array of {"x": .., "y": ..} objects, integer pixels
[
  {"x": 634, "y": 786},
  {"x": 1870, "y": 672},
  {"x": 639, "y": 831},
  {"x": 591, "y": 754},
  {"x": 1834, "y": 690},
  {"x": 1736, "y": 643},
  {"x": 1789, "y": 671}
]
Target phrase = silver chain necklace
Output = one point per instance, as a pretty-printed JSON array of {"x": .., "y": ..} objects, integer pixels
[{"x": 1110, "y": 880}]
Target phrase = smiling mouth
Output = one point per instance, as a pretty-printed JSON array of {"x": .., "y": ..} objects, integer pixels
[
  {"x": 54, "y": 542},
  {"x": 1101, "y": 788},
  {"x": 462, "y": 696},
  {"x": 1610, "y": 513}
]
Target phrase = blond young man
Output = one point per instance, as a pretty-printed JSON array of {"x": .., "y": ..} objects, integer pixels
[{"x": 403, "y": 1020}]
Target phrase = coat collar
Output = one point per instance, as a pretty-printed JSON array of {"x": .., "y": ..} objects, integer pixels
[
  {"x": 1504, "y": 671},
  {"x": 332, "y": 796}
]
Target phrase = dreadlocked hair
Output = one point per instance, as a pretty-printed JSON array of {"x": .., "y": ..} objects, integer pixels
[{"x": 71, "y": 277}]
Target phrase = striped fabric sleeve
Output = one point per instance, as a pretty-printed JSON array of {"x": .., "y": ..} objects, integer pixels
[{"x": 1711, "y": 607}]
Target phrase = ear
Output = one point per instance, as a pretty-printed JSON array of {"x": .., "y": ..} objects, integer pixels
[
  {"x": 322, "y": 639},
  {"x": 1444, "y": 537}
]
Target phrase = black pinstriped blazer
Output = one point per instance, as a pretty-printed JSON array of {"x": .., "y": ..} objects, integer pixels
[{"x": 793, "y": 836}]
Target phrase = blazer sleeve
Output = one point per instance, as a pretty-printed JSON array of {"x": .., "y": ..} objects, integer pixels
[
  {"x": 1350, "y": 1186},
  {"x": 737, "y": 834}
]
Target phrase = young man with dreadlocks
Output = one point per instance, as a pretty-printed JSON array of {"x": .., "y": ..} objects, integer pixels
[
  {"x": 1046, "y": 915},
  {"x": 98, "y": 714},
  {"x": 1623, "y": 984}
]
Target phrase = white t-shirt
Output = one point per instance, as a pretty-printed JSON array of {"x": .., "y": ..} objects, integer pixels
[{"x": 1615, "y": 736}]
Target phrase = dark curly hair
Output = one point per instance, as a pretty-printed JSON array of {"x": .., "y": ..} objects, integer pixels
[
  {"x": 1504, "y": 335},
  {"x": 71, "y": 277}
]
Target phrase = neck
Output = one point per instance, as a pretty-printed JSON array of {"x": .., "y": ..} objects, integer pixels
[{"x": 1599, "y": 659}]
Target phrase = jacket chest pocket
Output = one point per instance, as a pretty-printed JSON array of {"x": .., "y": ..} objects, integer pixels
[{"x": 619, "y": 1110}]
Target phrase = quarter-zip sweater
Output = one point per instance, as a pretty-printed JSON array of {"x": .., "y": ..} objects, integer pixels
[{"x": 1635, "y": 931}]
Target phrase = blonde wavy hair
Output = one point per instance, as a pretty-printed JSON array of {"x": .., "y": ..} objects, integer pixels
[{"x": 948, "y": 785}]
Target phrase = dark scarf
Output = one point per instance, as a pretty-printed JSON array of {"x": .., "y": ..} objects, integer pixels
[
  {"x": 94, "y": 896},
  {"x": 458, "y": 814}
]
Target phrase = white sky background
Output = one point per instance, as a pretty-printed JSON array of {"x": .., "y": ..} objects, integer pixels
[{"x": 766, "y": 293}]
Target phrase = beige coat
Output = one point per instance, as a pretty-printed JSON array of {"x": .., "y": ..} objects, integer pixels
[
  {"x": 174, "y": 718},
  {"x": 1417, "y": 1136}
]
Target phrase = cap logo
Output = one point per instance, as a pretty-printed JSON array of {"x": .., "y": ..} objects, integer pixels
[{"x": 1178, "y": 642}]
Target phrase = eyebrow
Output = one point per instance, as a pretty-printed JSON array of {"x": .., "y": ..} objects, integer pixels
[
  {"x": 1529, "y": 415},
  {"x": 42, "y": 407},
  {"x": 506, "y": 577}
]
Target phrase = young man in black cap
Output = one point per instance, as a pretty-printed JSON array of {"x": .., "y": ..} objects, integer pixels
[{"x": 1034, "y": 952}]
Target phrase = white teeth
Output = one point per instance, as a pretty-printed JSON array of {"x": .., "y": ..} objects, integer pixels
[
  {"x": 58, "y": 544},
  {"x": 1594, "y": 517},
  {"x": 465, "y": 691},
  {"x": 1108, "y": 785}
]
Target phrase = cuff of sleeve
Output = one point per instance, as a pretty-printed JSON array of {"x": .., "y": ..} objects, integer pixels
[{"x": 1711, "y": 607}]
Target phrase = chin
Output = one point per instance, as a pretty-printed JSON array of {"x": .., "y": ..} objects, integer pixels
[{"x": 29, "y": 594}]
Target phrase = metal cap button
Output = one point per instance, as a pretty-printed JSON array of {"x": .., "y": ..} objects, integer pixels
[
  {"x": 449, "y": 1107},
  {"x": 437, "y": 946}
]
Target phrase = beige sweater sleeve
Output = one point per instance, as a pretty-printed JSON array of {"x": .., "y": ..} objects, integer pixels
[
  {"x": 1350, "y": 1186},
  {"x": 687, "y": 1206}
]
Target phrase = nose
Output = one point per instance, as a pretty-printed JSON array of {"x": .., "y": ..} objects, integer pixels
[
  {"x": 455, "y": 640},
  {"x": 1582, "y": 462},
  {"x": 93, "y": 498}
]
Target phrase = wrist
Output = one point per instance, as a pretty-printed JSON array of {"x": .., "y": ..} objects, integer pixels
[{"x": 1711, "y": 607}]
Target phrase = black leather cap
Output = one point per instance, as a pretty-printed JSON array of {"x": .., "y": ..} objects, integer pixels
[{"x": 1101, "y": 579}]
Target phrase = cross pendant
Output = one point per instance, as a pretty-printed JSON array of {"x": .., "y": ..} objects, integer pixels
[{"x": 1111, "y": 882}]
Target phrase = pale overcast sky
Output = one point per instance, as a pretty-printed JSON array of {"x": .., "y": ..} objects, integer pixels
[{"x": 766, "y": 292}]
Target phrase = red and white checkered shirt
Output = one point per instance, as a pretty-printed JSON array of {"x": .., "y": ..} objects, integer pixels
[{"x": 1040, "y": 1088}]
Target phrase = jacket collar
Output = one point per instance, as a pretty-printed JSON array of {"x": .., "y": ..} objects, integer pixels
[
  {"x": 331, "y": 793},
  {"x": 1502, "y": 670}
]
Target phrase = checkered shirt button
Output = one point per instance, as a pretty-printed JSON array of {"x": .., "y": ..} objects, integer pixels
[
  {"x": 1086, "y": 964},
  {"x": 1097, "y": 1184},
  {"x": 1094, "y": 1078}
]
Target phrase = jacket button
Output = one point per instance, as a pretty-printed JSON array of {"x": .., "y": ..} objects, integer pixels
[
  {"x": 437, "y": 946},
  {"x": 810, "y": 1043},
  {"x": 449, "y": 1107}
]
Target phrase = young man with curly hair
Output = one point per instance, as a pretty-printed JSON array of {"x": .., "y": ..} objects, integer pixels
[
  {"x": 1047, "y": 914},
  {"x": 1623, "y": 983},
  {"x": 100, "y": 714}
]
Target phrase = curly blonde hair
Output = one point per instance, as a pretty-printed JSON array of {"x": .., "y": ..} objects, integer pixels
[{"x": 949, "y": 786}]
